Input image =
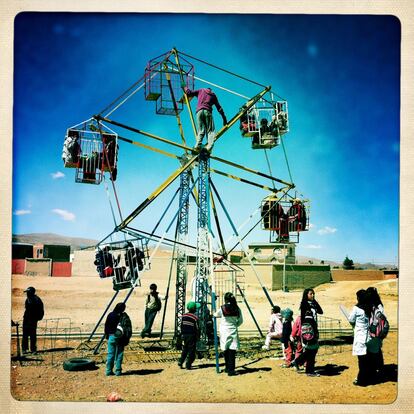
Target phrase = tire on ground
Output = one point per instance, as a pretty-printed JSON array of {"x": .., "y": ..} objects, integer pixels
[{"x": 78, "y": 364}]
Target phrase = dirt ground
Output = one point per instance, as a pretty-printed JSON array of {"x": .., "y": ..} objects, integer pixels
[{"x": 80, "y": 301}]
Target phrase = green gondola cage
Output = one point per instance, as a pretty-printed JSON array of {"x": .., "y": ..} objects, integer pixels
[{"x": 265, "y": 123}]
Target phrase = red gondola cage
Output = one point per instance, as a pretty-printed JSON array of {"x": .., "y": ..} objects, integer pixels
[
  {"x": 123, "y": 261},
  {"x": 163, "y": 83},
  {"x": 283, "y": 216},
  {"x": 298, "y": 220},
  {"x": 91, "y": 152},
  {"x": 273, "y": 215}
]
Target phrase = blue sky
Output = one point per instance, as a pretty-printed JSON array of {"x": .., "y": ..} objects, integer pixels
[{"x": 339, "y": 74}]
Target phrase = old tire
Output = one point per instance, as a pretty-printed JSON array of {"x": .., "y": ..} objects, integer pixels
[{"x": 78, "y": 364}]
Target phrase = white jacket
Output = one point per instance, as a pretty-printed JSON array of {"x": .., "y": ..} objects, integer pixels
[
  {"x": 229, "y": 336},
  {"x": 361, "y": 334},
  {"x": 275, "y": 324}
]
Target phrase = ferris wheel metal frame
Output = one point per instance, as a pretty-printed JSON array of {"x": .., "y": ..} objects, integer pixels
[{"x": 175, "y": 68}]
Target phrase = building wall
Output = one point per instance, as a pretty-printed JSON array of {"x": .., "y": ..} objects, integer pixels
[
  {"x": 18, "y": 266},
  {"x": 300, "y": 276},
  {"x": 62, "y": 269},
  {"x": 42, "y": 267},
  {"x": 263, "y": 271},
  {"x": 343, "y": 275},
  {"x": 22, "y": 250},
  {"x": 82, "y": 264}
]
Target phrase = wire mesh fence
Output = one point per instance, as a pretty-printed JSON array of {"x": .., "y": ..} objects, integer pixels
[{"x": 58, "y": 339}]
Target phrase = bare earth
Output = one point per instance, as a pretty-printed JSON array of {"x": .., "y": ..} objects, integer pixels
[{"x": 260, "y": 379}]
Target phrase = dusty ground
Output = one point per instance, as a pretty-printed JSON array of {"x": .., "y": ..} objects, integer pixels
[{"x": 261, "y": 378}]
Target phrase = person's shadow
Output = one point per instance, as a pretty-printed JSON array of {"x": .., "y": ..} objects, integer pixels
[
  {"x": 245, "y": 369},
  {"x": 389, "y": 374},
  {"x": 143, "y": 371},
  {"x": 330, "y": 370}
]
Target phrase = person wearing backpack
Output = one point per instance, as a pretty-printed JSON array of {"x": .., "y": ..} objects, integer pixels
[
  {"x": 152, "y": 307},
  {"x": 118, "y": 332},
  {"x": 310, "y": 345},
  {"x": 378, "y": 330},
  {"x": 309, "y": 310},
  {"x": 232, "y": 318},
  {"x": 33, "y": 313},
  {"x": 359, "y": 319}
]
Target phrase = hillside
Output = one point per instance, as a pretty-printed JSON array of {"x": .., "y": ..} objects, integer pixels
[{"x": 76, "y": 243}]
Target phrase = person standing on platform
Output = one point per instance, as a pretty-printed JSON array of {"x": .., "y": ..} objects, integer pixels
[{"x": 206, "y": 98}]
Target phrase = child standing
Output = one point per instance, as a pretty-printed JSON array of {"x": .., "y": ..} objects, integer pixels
[
  {"x": 359, "y": 319},
  {"x": 309, "y": 339},
  {"x": 152, "y": 307},
  {"x": 287, "y": 344},
  {"x": 189, "y": 334},
  {"x": 295, "y": 338},
  {"x": 232, "y": 318}
]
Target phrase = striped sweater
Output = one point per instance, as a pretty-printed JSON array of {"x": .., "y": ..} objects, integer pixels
[{"x": 189, "y": 324}]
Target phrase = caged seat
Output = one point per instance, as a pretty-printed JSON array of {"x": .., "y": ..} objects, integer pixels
[
  {"x": 123, "y": 262},
  {"x": 284, "y": 217},
  {"x": 164, "y": 84},
  {"x": 91, "y": 152},
  {"x": 264, "y": 123}
]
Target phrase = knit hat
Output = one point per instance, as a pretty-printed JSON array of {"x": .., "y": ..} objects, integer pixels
[
  {"x": 287, "y": 313},
  {"x": 192, "y": 306}
]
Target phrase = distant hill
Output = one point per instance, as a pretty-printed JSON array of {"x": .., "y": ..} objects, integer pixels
[{"x": 75, "y": 243}]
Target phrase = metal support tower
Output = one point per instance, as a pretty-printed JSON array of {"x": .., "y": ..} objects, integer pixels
[
  {"x": 182, "y": 236},
  {"x": 203, "y": 251}
]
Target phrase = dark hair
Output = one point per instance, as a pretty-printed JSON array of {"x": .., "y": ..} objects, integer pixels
[
  {"x": 305, "y": 294},
  {"x": 153, "y": 286},
  {"x": 276, "y": 309},
  {"x": 304, "y": 304},
  {"x": 120, "y": 307},
  {"x": 373, "y": 297},
  {"x": 230, "y": 307},
  {"x": 362, "y": 301}
]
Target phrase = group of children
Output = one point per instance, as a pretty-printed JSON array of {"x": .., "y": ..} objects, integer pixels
[{"x": 299, "y": 338}]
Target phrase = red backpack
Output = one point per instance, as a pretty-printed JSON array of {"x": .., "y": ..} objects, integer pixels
[{"x": 378, "y": 324}]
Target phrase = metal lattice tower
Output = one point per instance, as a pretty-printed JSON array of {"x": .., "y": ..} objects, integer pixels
[
  {"x": 203, "y": 250},
  {"x": 182, "y": 236}
]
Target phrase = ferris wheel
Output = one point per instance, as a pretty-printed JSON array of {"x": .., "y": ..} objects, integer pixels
[{"x": 92, "y": 148}]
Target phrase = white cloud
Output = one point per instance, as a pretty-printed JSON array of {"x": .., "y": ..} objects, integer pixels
[
  {"x": 64, "y": 214},
  {"x": 22, "y": 212},
  {"x": 327, "y": 230},
  {"x": 311, "y": 226},
  {"x": 57, "y": 175},
  {"x": 313, "y": 246}
]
